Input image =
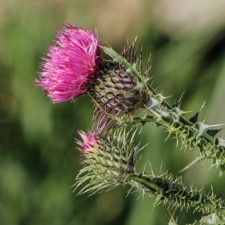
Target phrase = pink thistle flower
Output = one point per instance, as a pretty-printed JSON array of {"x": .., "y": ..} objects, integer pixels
[
  {"x": 88, "y": 143},
  {"x": 71, "y": 65}
]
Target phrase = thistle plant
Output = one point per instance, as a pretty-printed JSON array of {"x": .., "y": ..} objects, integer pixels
[
  {"x": 76, "y": 64},
  {"x": 110, "y": 160}
]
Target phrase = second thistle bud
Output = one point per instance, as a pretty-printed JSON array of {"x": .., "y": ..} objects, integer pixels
[{"x": 108, "y": 160}]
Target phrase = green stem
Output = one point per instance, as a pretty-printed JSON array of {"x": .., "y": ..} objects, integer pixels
[
  {"x": 145, "y": 182},
  {"x": 174, "y": 194},
  {"x": 192, "y": 134}
]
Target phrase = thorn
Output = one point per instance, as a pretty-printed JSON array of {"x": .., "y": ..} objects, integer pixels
[
  {"x": 194, "y": 119},
  {"x": 180, "y": 112},
  {"x": 191, "y": 164},
  {"x": 148, "y": 66},
  {"x": 202, "y": 127},
  {"x": 162, "y": 98},
  {"x": 213, "y": 132},
  {"x": 181, "y": 97},
  {"x": 203, "y": 105},
  {"x": 140, "y": 60},
  {"x": 177, "y": 104},
  {"x": 220, "y": 142}
]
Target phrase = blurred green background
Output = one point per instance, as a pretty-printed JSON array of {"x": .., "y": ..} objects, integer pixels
[{"x": 38, "y": 156}]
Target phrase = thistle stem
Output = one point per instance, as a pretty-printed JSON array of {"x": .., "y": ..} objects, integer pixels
[
  {"x": 174, "y": 194},
  {"x": 191, "y": 134}
]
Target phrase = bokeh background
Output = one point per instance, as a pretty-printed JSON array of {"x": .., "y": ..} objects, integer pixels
[{"x": 38, "y": 156}]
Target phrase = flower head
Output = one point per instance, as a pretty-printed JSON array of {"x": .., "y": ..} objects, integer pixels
[{"x": 72, "y": 62}]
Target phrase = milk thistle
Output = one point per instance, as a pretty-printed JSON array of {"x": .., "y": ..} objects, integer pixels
[{"x": 123, "y": 96}]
